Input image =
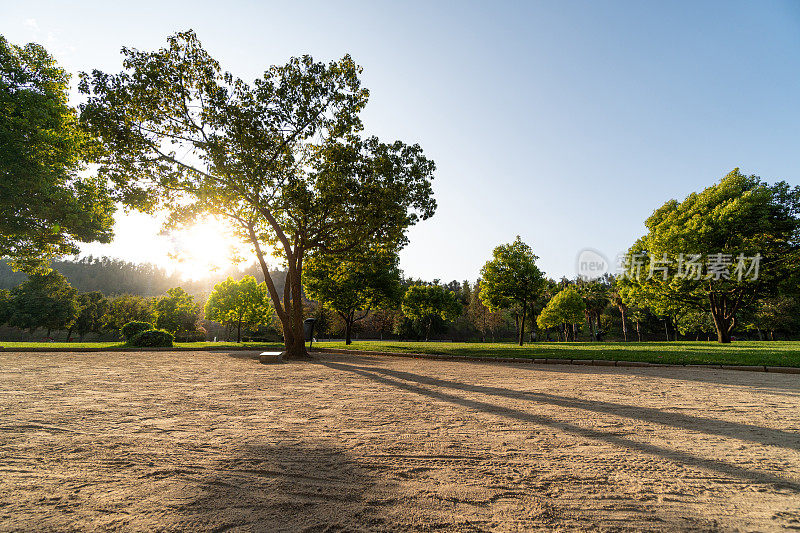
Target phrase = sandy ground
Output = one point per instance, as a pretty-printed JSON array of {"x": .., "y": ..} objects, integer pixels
[{"x": 217, "y": 442}]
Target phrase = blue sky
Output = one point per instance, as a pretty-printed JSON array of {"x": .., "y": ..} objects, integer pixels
[{"x": 567, "y": 123}]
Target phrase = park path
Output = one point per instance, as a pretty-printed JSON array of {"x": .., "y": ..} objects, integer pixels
[{"x": 217, "y": 442}]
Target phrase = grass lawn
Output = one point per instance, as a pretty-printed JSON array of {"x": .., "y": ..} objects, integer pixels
[
  {"x": 115, "y": 345},
  {"x": 769, "y": 353}
]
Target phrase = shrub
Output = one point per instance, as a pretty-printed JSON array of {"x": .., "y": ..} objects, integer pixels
[
  {"x": 131, "y": 329},
  {"x": 152, "y": 338}
]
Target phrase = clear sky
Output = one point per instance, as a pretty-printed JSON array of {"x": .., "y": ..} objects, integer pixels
[{"x": 567, "y": 123}]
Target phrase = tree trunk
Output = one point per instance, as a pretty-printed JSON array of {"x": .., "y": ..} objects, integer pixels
[
  {"x": 522, "y": 325},
  {"x": 624, "y": 325},
  {"x": 239, "y": 330},
  {"x": 638, "y": 333},
  {"x": 348, "y": 329}
]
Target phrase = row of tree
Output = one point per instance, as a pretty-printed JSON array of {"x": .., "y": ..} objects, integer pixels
[{"x": 49, "y": 302}]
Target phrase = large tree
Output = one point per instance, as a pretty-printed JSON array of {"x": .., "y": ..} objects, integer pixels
[
  {"x": 717, "y": 250},
  {"x": 511, "y": 278},
  {"x": 354, "y": 286},
  {"x": 281, "y": 158},
  {"x": 46, "y": 204},
  {"x": 243, "y": 303}
]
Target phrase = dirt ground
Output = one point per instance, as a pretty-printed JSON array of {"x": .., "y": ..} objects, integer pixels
[{"x": 218, "y": 442}]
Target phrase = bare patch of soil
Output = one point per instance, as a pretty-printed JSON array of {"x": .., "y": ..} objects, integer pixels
[{"x": 217, "y": 442}]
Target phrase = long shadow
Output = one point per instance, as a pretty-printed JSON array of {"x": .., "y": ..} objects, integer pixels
[
  {"x": 710, "y": 426},
  {"x": 787, "y": 384},
  {"x": 293, "y": 487},
  {"x": 516, "y": 414}
]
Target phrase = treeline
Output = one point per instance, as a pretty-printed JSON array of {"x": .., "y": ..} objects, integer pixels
[
  {"x": 49, "y": 307},
  {"x": 113, "y": 277}
]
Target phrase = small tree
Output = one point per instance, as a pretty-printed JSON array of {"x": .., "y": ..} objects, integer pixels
[
  {"x": 511, "y": 278},
  {"x": 44, "y": 301},
  {"x": 355, "y": 285},
  {"x": 244, "y": 304},
  {"x": 177, "y": 312},
  {"x": 565, "y": 308},
  {"x": 423, "y": 303}
]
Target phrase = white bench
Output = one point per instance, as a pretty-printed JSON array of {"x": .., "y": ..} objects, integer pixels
[{"x": 266, "y": 358}]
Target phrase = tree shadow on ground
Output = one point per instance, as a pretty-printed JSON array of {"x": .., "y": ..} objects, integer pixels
[
  {"x": 284, "y": 488},
  {"x": 410, "y": 382}
]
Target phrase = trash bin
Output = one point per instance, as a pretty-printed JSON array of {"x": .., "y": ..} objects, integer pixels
[{"x": 308, "y": 328}]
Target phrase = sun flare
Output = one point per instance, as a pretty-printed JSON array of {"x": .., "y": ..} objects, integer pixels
[{"x": 206, "y": 247}]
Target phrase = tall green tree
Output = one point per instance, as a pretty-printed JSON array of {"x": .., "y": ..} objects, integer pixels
[
  {"x": 44, "y": 301},
  {"x": 511, "y": 278},
  {"x": 424, "y": 303},
  {"x": 177, "y": 312},
  {"x": 243, "y": 304},
  {"x": 282, "y": 158},
  {"x": 46, "y": 204},
  {"x": 355, "y": 285},
  {"x": 747, "y": 235}
]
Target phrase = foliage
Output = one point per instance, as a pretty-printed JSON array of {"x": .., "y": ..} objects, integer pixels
[
  {"x": 426, "y": 302},
  {"x": 741, "y": 215},
  {"x": 482, "y": 318},
  {"x": 779, "y": 353},
  {"x": 152, "y": 338},
  {"x": 566, "y": 307},
  {"x": 244, "y": 303},
  {"x": 177, "y": 312},
  {"x": 129, "y": 308},
  {"x": 46, "y": 205},
  {"x": 131, "y": 329},
  {"x": 92, "y": 310},
  {"x": 43, "y": 301},
  {"x": 354, "y": 285},
  {"x": 512, "y": 278},
  {"x": 281, "y": 158}
]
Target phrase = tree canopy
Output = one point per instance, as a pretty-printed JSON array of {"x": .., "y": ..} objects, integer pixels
[
  {"x": 244, "y": 304},
  {"x": 355, "y": 285},
  {"x": 717, "y": 250},
  {"x": 46, "y": 204},
  {"x": 511, "y": 278},
  {"x": 426, "y": 302},
  {"x": 281, "y": 158}
]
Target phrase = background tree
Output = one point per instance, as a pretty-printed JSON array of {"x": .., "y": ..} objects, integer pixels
[
  {"x": 92, "y": 310},
  {"x": 424, "y": 303},
  {"x": 243, "y": 303},
  {"x": 595, "y": 299},
  {"x": 355, "y": 285},
  {"x": 482, "y": 318},
  {"x": 129, "y": 308},
  {"x": 282, "y": 158},
  {"x": 512, "y": 277},
  {"x": 177, "y": 312},
  {"x": 46, "y": 205},
  {"x": 564, "y": 309},
  {"x": 44, "y": 301},
  {"x": 739, "y": 215},
  {"x": 775, "y": 314}
]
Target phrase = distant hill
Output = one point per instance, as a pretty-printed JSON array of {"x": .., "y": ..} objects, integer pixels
[{"x": 114, "y": 276}]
